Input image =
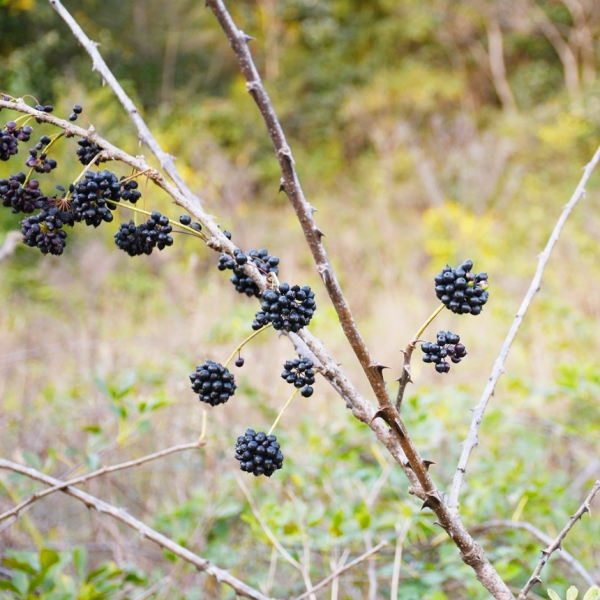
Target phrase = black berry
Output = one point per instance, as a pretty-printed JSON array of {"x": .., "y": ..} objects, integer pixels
[
  {"x": 239, "y": 362},
  {"x": 185, "y": 219},
  {"x": 289, "y": 308},
  {"x": 447, "y": 346},
  {"x": 258, "y": 453},
  {"x": 213, "y": 383},
  {"x": 460, "y": 290},
  {"x": 77, "y": 109},
  {"x": 87, "y": 151},
  {"x": 94, "y": 197},
  {"x": 299, "y": 372},
  {"x": 260, "y": 258}
]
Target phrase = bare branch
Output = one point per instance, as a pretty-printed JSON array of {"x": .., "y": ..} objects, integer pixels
[
  {"x": 556, "y": 544},
  {"x": 343, "y": 569},
  {"x": 9, "y": 244},
  {"x": 145, "y": 135},
  {"x": 498, "y": 367},
  {"x": 144, "y": 531},
  {"x": 14, "y": 512},
  {"x": 545, "y": 539}
]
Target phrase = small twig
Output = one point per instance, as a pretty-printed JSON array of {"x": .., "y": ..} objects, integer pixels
[
  {"x": 9, "y": 244},
  {"x": 401, "y": 533},
  {"x": 221, "y": 575},
  {"x": 498, "y": 367},
  {"x": 556, "y": 544},
  {"x": 14, "y": 512},
  {"x": 545, "y": 539},
  {"x": 343, "y": 569},
  {"x": 145, "y": 135}
]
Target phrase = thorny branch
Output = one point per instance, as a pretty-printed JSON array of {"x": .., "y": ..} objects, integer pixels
[
  {"x": 557, "y": 543},
  {"x": 471, "y": 553},
  {"x": 120, "y": 514},
  {"x": 498, "y": 367},
  {"x": 14, "y": 512}
]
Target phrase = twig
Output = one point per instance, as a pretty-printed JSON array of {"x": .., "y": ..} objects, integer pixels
[
  {"x": 14, "y": 512},
  {"x": 498, "y": 367},
  {"x": 401, "y": 533},
  {"x": 343, "y": 569},
  {"x": 9, "y": 244},
  {"x": 145, "y": 135},
  {"x": 545, "y": 539},
  {"x": 222, "y": 576},
  {"x": 556, "y": 544}
]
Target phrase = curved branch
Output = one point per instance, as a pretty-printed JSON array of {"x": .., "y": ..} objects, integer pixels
[
  {"x": 120, "y": 514},
  {"x": 498, "y": 367}
]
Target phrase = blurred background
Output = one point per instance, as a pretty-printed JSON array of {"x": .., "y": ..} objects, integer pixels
[{"x": 424, "y": 133}]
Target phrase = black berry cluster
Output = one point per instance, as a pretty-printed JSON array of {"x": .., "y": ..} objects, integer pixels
[
  {"x": 10, "y": 136},
  {"x": 20, "y": 197},
  {"x": 87, "y": 151},
  {"x": 154, "y": 233},
  {"x": 44, "y": 230},
  {"x": 460, "y": 290},
  {"x": 289, "y": 308},
  {"x": 299, "y": 372},
  {"x": 447, "y": 345},
  {"x": 77, "y": 109},
  {"x": 213, "y": 382},
  {"x": 129, "y": 191},
  {"x": 94, "y": 197},
  {"x": 258, "y": 453},
  {"x": 40, "y": 162},
  {"x": 244, "y": 284}
]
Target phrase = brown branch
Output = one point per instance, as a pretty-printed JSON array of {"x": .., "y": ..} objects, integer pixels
[
  {"x": 343, "y": 569},
  {"x": 556, "y": 544},
  {"x": 222, "y": 576},
  {"x": 471, "y": 553},
  {"x": 14, "y": 512},
  {"x": 145, "y": 135},
  {"x": 498, "y": 367},
  {"x": 545, "y": 539}
]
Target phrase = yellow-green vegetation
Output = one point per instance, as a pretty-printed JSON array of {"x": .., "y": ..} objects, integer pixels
[{"x": 414, "y": 157}]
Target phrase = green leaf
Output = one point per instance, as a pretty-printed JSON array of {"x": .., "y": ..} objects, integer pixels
[
  {"x": 572, "y": 593},
  {"x": 338, "y": 519},
  {"x": 553, "y": 595},
  {"x": 8, "y": 585},
  {"x": 80, "y": 560},
  {"x": 48, "y": 558},
  {"x": 93, "y": 428},
  {"x": 592, "y": 593},
  {"x": 17, "y": 565}
]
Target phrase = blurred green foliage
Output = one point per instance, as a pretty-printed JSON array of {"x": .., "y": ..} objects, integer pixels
[{"x": 402, "y": 142}]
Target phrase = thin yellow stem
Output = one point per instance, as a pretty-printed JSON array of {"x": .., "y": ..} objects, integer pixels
[
  {"x": 244, "y": 343},
  {"x": 283, "y": 410},
  {"x": 419, "y": 333}
]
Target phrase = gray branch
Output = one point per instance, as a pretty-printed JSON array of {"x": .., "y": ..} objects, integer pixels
[{"x": 498, "y": 367}]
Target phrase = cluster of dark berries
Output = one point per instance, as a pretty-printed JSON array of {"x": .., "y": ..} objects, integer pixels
[
  {"x": 129, "y": 191},
  {"x": 290, "y": 309},
  {"x": 244, "y": 284},
  {"x": 187, "y": 221},
  {"x": 154, "y": 233},
  {"x": 299, "y": 372},
  {"x": 20, "y": 197},
  {"x": 447, "y": 345},
  {"x": 77, "y": 109},
  {"x": 94, "y": 197},
  {"x": 213, "y": 382},
  {"x": 87, "y": 151},
  {"x": 44, "y": 230},
  {"x": 258, "y": 453},
  {"x": 39, "y": 161},
  {"x": 460, "y": 290},
  {"x": 10, "y": 136}
]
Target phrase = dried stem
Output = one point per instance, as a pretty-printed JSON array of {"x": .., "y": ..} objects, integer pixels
[
  {"x": 498, "y": 367},
  {"x": 14, "y": 512},
  {"x": 556, "y": 544},
  {"x": 343, "y": 569},
  {"x": 9, "y": 244},
  {"x": 145, "y": 135},
  {"x": 221, "y": 575}
]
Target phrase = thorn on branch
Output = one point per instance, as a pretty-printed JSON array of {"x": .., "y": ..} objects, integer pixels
[
  {"x": 247, "y": 38},
  {"x": 319, "y": 233},
  {"x": 428, "y": 463}
]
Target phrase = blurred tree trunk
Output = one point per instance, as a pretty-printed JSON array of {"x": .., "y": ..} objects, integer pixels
[{"x": 497, "y": 65}]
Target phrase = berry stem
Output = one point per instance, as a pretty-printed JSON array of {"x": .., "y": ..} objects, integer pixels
[
  {"x": 427, "y": 323},
  {"x": 283, "y": 410},
  {"x": 244, "y": 343}
]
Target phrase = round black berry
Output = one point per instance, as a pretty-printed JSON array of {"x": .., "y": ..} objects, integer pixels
[
  {"x": 77, "y": 109},
  {"x": 73, "y": 117},
  {"x": 460, "y": 290},
  {"x": 185, "y": 219},
  {"x": 289, "y": 309},
  {"x": 258, "y": 453},
  {"x": 239, "y": 362},
  {"x": 299, "y": 372},
  {"x": 213, "y": 383}
]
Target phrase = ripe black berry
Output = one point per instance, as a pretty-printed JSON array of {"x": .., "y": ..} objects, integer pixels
[
  {"x": 239, "y": 362},
  {"x": 461, "y": 291},
  {"x": 258, "y": 453},
  {"x": 447, "y": 345},
  {"x": 290, "y": 309},
  {"x": 19, "y": 196},
  {"x": 154, "y": 233},
  {"x": 260, "y": 258},
  {"x": 299, "y": 372},
  {"x": 95, "y": 196},
  {"x": 213, "y": 382},
  {"x": 185, "y": 219},
  {"x": 77, "y": 109},
  {"x": 73, "y": 117},
  {"x": 87, "y": 151}
]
